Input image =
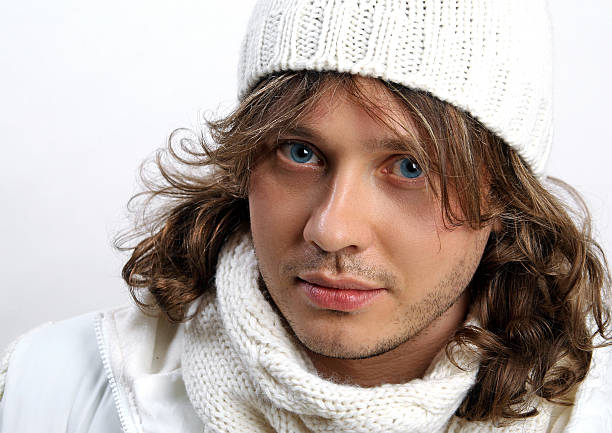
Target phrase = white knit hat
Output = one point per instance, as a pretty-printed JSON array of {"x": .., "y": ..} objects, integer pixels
[{"x": 491, "y": 58}]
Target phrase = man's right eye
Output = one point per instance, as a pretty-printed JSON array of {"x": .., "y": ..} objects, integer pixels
[{"x": 299, "y": 152}]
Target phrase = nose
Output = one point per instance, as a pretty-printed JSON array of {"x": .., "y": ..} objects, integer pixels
[{"x": 340, "y": 219}]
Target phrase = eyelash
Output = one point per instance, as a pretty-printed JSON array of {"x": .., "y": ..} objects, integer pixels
[{"x": 286, "y": 149}]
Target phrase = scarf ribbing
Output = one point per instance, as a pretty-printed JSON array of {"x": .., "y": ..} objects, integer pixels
[{"x": 244, "y": 372}]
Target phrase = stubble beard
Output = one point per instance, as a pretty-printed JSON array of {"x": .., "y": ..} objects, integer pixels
[{"x": 410, "y": 322}]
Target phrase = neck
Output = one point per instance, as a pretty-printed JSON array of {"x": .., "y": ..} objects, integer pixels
[{"x": 405, "y": 362}]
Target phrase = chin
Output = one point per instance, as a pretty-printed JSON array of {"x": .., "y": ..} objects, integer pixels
[{"x": 343, "y": 343}]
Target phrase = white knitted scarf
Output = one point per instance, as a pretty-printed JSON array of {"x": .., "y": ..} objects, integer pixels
[{"x": 244, "y": 373}]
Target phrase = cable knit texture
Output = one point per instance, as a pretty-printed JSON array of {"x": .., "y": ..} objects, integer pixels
[
  {"x": 244, "y": 372},
  {"x": 491, "y": 58}
]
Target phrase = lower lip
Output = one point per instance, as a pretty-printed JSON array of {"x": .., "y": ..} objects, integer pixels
[{"x": 339, "y": 299}]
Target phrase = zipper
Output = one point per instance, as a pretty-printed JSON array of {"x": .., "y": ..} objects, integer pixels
[{"x": 126, "y": 426}]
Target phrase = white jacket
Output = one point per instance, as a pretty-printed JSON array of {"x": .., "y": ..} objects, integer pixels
[{"x": 119, "y": 371}]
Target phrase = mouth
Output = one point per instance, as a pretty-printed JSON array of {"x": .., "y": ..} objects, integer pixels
[{"x": 339, "y": 294}]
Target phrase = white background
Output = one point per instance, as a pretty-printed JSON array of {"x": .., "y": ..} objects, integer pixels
[{"x": 88, "y": 89}]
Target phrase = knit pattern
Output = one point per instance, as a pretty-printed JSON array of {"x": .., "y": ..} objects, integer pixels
[
  {"x": 491, "y": 58},
  {"x": 244, "y": 372}
]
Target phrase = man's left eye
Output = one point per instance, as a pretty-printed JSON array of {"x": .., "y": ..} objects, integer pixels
[{"x": 407, "y": 168}]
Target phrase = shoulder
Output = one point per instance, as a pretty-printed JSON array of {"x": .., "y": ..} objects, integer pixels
[
  {"x": 69, "y": 344},
  {"x": 58, "y": 339},
  {"x": 110, "y": 371},
  {"x": 56, "y": 372}
]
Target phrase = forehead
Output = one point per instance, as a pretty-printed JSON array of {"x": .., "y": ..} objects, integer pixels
[
  {"x": 380, "y": 116},
  {"x": 368, "y": 94}
]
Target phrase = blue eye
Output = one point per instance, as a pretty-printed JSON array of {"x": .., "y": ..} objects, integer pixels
[
  {"x": 300, "y": 153},
  {"x": 297, "y": 152},
  {"x": 408, "y": 168}
]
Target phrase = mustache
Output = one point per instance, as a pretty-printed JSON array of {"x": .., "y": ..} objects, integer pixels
[{"x": 333, "y": 263}]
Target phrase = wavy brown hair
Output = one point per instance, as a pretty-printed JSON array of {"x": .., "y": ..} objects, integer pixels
[{"x": 538, "y": 293}]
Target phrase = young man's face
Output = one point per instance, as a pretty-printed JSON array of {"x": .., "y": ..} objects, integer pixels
[{"x": 350, "y": 240}]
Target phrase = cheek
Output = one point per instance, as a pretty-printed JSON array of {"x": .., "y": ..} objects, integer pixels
[
  {"x": 277, "y": 213},
  {"x": 425, "y": 253},
  {"x": 412, "y": 226}
]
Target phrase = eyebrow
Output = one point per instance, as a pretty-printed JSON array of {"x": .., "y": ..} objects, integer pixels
[{"x": 389, "y": 144}]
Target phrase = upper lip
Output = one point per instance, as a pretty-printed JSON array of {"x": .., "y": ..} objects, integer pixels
[{"x": 338, "y": 282}]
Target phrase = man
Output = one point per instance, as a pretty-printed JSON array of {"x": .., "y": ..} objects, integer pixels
[{"x": 373, "y": 247}]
